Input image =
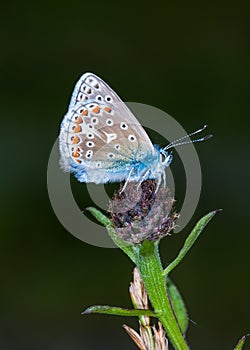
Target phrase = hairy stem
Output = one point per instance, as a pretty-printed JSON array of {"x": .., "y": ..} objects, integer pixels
[{"x": 150, "y": 268}]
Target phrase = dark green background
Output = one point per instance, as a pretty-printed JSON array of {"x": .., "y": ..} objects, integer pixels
[{"x": 189, "y": 59}]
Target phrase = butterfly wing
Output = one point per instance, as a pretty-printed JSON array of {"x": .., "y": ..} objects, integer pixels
[{"x": 100, "y": 138}]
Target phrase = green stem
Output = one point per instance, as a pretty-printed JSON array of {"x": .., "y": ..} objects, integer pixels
[{"x": 150, "y": 267}]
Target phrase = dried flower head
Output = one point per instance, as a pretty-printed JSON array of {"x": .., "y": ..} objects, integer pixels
[
  {"x": 139, "y": 295},
  {"x": 143, "y": 212}
]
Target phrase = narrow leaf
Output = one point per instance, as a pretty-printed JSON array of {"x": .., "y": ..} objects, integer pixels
[
  {"x": 104, "y": 220},
  {"x": 241, "y": 342},
  {"x": 178, "y": 305},
  {"x": 118, "y": 311},
  {"x": 199, "y": 227}
]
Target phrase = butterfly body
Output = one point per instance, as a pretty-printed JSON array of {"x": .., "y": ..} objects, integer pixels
[{"x": 101, "y": 141}]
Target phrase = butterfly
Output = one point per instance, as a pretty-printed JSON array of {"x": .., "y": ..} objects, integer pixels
[{"x": 101, "y": 141}]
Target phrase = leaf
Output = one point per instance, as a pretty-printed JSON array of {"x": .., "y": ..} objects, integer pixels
[
  {"x": 105, "y": 221},
  {"x": 118, "y": 311},
  {"x": 178, "y": 306},
  {"x": 241, "y": 342},
  {"x": 199, "y": 227}
]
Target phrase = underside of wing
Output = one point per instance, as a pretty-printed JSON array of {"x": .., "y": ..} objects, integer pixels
[{"x": 99, "y": 134}]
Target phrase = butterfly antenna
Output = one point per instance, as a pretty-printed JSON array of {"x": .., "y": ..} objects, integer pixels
[{"x": 179, "y": 142}]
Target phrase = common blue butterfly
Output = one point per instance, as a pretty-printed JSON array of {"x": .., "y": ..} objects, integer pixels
[{"x": 101, "y": 141}]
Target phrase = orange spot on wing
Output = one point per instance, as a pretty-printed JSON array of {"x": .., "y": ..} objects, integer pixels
[
  {"x": 78, "y": 161},
  {"x": 77, "y": 129},
  {"x": 107, "y": 109},
  {"x": 85, "y": 112},
  {"x": 75, "y": 140},
  {"x": 79, "y": 120},
  {"x": 96, "y": 109},
  {"x": 75, "y": 154}
]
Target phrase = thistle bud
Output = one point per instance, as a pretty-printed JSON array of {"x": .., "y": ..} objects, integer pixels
[{"x": 143, "y": 212}]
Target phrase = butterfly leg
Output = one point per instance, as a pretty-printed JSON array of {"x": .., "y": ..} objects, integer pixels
[
  {"x": 127, "y": 180},
  {"x": 161, "y": 176},
  {"x": 158, "y": 184},
  {"x": 145, "y": 176}
]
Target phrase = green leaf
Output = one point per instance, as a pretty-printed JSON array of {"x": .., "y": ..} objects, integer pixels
[
  {"x": 105, "y": 221},
  {"x": 241, "y": 342},
  {"x": 178, "y": 305},
  {"x": 199, "y": 227},
  {"x": 118, "y": 311}
]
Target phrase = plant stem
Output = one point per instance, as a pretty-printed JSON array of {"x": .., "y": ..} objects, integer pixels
[{"x": 151, "y": 271}]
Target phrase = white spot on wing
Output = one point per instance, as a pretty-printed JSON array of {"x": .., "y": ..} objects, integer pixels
[
  {"x": 123, "y": 126},
  {"x": 132, "y": 138},
  {"x": 111, "y": 155},
  {"x": 89, "y": 154},
  {"x": 110, "y": 137},
  {"x": 90, "y": 144}
]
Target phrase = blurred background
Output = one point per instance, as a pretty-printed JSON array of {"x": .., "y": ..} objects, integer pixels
[{"x": 190, "y": 59}]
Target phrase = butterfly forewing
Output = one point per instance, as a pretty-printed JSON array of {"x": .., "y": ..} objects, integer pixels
[
  {"x": 100, "y": 133},
  {"x": 92, "y": 88}
]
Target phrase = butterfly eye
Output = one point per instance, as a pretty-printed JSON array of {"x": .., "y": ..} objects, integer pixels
[
  {"x": 124, "y": 126},
  {"x": 108, "y": 98}
]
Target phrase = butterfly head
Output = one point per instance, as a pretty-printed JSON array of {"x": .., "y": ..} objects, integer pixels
[
  {"x": 157, "y": 164},
  {"x": 166, "y": 157}
]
